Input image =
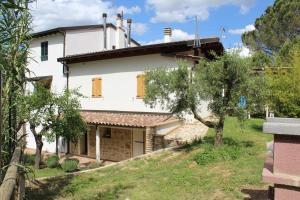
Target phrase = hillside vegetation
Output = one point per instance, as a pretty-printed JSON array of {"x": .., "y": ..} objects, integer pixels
[{"x": 193, "y": 172}]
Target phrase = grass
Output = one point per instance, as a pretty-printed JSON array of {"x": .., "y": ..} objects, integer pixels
[
  {"x": 45, "y": 172},
  {"x": 175, "y": 175},
  {"x": 37, "y": 173}
]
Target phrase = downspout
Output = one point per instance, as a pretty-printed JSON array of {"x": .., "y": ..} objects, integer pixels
[{"x": 66, "y": 72}]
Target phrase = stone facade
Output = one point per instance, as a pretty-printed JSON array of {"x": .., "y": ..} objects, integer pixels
[
  {"x": 149, "y": 139},
  {"x": 118, "y": 147},
  {"x": 159, "y": 142}
]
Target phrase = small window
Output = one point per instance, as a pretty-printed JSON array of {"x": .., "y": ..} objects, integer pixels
[
  {"x": 107, "y": 133},
  {"x": 44, "y": 51},
  {"x": 140, "y": 86},
  {"x": 96, "y": 87}
]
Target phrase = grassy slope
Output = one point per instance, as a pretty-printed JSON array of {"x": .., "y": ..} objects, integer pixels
[
  {"x": 45, "y": 172},
  {"x": 172, "y": 175}
]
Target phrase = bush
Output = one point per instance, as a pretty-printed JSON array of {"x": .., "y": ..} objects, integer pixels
[
  {"x": 29, "y": 159},
  {"x": 223, "y": 153},
  {"x": 70, "y": 165},
  {"x": 95, "y": 165},
  {"x": 52, "y": 161}
]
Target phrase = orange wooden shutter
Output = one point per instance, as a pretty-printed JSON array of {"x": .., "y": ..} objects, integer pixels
[
  {"x": 97, "y": 87},
  {"x": 141, "y": 86}
]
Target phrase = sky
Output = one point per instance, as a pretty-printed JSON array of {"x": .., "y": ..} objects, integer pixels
[{"x": 151, "y": 16}]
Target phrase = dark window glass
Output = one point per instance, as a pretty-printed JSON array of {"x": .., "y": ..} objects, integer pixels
[
  {"x": 107, "y": 133},
  {"x": 44, "y": 51}
]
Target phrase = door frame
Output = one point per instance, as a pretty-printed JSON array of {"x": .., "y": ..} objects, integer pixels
[{"x": 144, "y": 139}]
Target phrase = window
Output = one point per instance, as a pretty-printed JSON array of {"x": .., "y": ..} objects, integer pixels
[
  {"x": 96, "y": 87},
  {"x": 140, "y": 86},
  {"x": 107, "y": 133},
  {"x": 44, "y": 51},
  {"x": 46, "y": 83}
]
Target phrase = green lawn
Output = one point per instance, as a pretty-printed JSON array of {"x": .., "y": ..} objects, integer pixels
[
  {"x": 45, "y": 172},
  {"x": 175, "y": 175}
]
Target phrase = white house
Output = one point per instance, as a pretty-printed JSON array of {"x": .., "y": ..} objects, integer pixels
[{"x": 108, "y": 67}]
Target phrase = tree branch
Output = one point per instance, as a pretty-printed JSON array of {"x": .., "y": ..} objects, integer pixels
[{"x": 207, "y": 123}]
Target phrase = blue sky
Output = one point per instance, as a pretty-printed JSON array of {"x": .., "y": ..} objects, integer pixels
[{"x": 151, "y": 16}]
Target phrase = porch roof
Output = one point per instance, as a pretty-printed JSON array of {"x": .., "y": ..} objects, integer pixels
[{"x": 128, "y": 119}]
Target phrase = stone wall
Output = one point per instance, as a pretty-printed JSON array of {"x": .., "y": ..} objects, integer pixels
[
  {"x": 149, "y": 139},
  {"x": 159, "y": 142},
  {"x": 118, "y": 147}
]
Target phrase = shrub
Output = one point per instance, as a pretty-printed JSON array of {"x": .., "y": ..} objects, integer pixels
[
  {"x": 52, "y": 161},
  {"x": 223, "y": 153},
  {"x": 29, "y": 159},
  {"x": 95, "y": 165},
  {"x": 70, "y": 165}
]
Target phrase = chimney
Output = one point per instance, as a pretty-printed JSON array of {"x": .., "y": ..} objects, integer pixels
[
  {"x": 119, "y": 20},
  {"x": 129, "y": 21},
  {"x": 104, "y": 31},
  {"x": 167, "y": 34}
]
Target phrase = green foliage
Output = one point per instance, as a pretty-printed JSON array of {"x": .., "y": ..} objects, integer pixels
[
  {"x": 279, "y": 24},
  {"x": 284, "y": 81},
  {"x": 28, "y": 159},
  {"x": 58, "y": 115},
  {"x": 51, "y": 115},
  {"x": 52, "y": 161},
  {"x": 224, "y": 153},
  {"x": 15, "y": 21},
  {"x": 184, "y": 89},
  {"x": 70, "y": 165},
  {"x": 175, "y": 174},
  {"x": 94, "y": 165}
]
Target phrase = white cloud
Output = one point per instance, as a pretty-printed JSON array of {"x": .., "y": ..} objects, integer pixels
[
  {"x": 139, "y": 28},
  {"x": 242, "y": 50},
  {"x": 247, "y": 28},
  {"x": 55, "y": 13},
  {"x": 132, "y": 10},
  {"x": 182, "y": 10},
  {"x": 177, "y": 35}
]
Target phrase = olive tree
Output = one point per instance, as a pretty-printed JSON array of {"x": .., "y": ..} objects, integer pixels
[
  {"x": 223, "y": 83},
  {"x": 50, "y": 116}
]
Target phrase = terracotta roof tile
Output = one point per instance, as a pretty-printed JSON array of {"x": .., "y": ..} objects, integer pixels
[{"x": 131, "y": 119}]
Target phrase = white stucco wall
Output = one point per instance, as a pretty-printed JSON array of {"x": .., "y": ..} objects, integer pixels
[
  {"x": 119, "y": 82},
  {"x": 84, "y": 41},
  {"x": 46, "y": 68},
  {"x": 91, "y": 40},
  {"x": 50, "y": 67}
]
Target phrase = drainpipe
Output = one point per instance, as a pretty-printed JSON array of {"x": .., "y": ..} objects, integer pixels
[
  {"x": 104, "y": 31},
  {"x": 129, "y": 22}
]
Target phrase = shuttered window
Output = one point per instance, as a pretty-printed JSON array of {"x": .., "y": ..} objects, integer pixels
[
  {"x": 141, "y": 86},
  {"x": 44, "y": 51},
  {"x": 96, "y": 87}
]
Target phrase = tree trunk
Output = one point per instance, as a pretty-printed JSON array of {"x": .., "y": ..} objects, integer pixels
[
  {"x": 38, "y": 151},
  {"x": 56, "y": 144},
  {"x": 219, "y": 132}
]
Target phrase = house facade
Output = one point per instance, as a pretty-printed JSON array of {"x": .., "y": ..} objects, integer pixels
[{"x": 108, "y": 67}]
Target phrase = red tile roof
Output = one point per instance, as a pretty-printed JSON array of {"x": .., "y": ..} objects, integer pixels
[{"x": 130, "y": 119}]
